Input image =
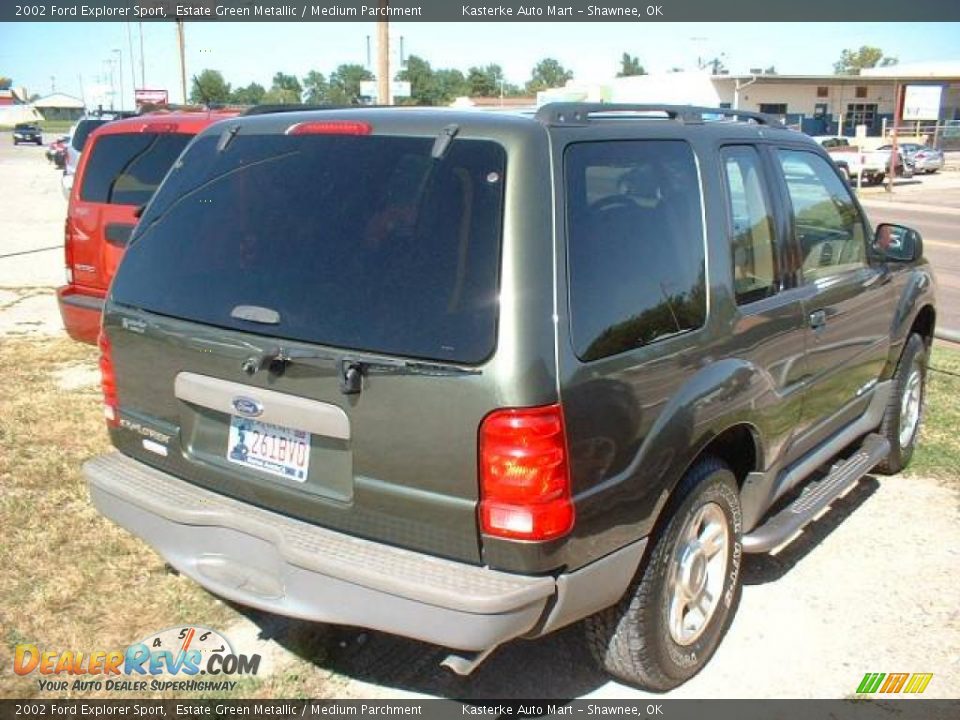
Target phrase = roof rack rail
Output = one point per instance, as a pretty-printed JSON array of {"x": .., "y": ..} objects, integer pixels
[{"x": 578, "y": 113}]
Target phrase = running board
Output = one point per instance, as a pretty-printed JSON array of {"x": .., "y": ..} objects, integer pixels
[{"x": 816, "y": 496}]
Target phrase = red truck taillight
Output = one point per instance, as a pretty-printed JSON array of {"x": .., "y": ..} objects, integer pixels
[
  {"x": 68, "y": 250},
  {"x": 525, "y": 474},
  {"x": 108, "y": 381}
]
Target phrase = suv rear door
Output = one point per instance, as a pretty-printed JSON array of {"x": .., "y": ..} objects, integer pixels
[
  {"x": 271, "y": 269},
  {"x": 119, "y": 172},
  {"x": 848, "y": 299}
]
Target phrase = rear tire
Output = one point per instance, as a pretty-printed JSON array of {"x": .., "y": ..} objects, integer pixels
[
  {"x": 904, "y": 414},
  {"x": 678, "y": 608}
]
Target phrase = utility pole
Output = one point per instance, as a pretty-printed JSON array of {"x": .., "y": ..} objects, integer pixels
[
  {"x": 133, "y": 64},
  {"x": 120, "y": 75},
  {"x": 183, "y": 66},
  {"x": 143, "y": 72},
  {"x": 383, "y": 56}
]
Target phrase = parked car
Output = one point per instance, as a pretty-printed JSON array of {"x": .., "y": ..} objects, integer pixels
[
  {"x": 467, "y": 376},
  {"x": 123, "y": 163},
  {"x": 27, "y": 133},
  {"x": 58, "y": 148},
  {"x": 923, "y": 159},
  {"x": 852, "y": 161}
]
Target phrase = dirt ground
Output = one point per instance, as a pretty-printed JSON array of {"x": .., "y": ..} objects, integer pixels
[{"x": 869, "y": 587}]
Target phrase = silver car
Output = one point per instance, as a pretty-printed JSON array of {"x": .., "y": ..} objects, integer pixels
[{"x": 924, "y": 159}]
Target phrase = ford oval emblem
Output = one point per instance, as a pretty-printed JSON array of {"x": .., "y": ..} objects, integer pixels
[{"x": 248, "y": 406}]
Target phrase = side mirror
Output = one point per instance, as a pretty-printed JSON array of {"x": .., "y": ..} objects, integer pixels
[{"x": 897, "y": 243}]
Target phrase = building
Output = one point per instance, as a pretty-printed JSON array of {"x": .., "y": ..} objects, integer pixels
[
  {"x": 59, "y": 106},
  {"x": 14, "y": 110},
  {"x": 817, "y": 104}
]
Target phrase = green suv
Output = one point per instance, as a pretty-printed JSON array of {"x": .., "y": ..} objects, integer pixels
[{"x": 474, "y": 376}]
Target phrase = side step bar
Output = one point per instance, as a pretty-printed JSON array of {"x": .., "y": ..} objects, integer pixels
[{"x": 816, "y": 496}]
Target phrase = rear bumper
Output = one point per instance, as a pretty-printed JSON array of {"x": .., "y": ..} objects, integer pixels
[
  {"x": 269, "y": 561},
  {"x": 80, "y": 313}
]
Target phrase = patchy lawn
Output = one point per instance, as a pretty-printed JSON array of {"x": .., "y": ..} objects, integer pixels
[
  {"x": 938, "y": 454},
  {"x": 70, "y": 579}
]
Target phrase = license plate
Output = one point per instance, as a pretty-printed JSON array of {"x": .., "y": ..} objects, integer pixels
[{"x": 270, "y": 448}]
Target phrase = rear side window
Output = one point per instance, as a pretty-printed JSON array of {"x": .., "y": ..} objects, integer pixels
[
  {"x": 365, "y": 243},
  {"x": 126, "y": 169},
  {"x": 634, "y": 244},
  {"x": 84, "y": 128}
]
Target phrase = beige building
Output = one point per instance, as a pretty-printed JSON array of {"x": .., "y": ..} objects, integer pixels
[{"x": 818, "y": 104}]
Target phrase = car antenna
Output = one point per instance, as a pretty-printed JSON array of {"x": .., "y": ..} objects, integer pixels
[{"x": 443, "y": 140}]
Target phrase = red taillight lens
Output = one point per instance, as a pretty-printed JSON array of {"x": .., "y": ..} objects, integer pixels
[
  {"x": 331, "y": 127},
  {"x": 524, "y": 474},
  {"x": 108, "y": 381},
  {"x": 68, "y": 250}
]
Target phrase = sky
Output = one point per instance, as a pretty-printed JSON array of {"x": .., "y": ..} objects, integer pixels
[{"x": 74, "y": 57}]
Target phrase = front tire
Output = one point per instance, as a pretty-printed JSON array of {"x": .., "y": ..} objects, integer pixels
[
  {"x": 904, "y": 413},
  {"x": 673, "y": 617}
]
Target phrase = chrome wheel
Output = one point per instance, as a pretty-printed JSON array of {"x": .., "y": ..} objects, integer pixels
[
  {"x": 910, "y": 404},
  {"x": 697, "y": 572}
]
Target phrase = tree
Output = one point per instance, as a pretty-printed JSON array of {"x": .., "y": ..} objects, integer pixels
[
  {"x": 345, "y": 84},
  {"x": 316, "y": 87},
  {"x": 252, "y": 94},
  {"x": 420, "y": 75},
  {"x": 449, "y": 84},
  {"x": 772, "y": 70},
  {"x": 548, "y": 73},
  {"x": 630, "y": 65},
  {"x": 851, "y": 62},
  {"x": 209, "y": 87},
  {"x": 285, "y": 90},
  {"x": 5, "y": 82},
  {"x": 484, "y": 81}
]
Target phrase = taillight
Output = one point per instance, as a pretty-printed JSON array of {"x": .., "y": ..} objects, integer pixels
[
  {"x": 330, "y": 127},
  {"x": 524, "y": 474},
  {"x": 68, "y": 250},
  {"x": 108, "y": 381}
]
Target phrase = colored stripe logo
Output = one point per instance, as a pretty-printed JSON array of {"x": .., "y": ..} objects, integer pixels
[{"x": 913, "y": 683}]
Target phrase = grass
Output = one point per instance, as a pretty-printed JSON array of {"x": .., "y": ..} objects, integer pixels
[
  {"x": 71, "y": 579},
  {"x": 938, "y": 454},
  {"x": 60, "y": 127}
]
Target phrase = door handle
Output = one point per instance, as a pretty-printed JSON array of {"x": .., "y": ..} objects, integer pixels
[{"x": 818, "y": 319}]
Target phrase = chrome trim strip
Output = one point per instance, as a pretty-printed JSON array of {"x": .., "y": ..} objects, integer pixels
[{"x": 289, "y": 411}]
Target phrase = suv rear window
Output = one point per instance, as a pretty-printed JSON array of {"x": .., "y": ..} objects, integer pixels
[
  {"x": 366, "y": 243},
  {"x": 635, "y": 244},
  {"x": 126, "y": 169}
]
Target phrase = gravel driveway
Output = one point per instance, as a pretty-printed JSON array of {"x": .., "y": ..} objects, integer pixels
[{"x": 870, "y": 587}]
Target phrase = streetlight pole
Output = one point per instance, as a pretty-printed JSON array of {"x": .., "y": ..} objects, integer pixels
[
  {"x": 143, "y": 71},
  {"x": 120, "y": 75}
]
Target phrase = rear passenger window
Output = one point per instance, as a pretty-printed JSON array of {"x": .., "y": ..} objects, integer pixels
[
  {"x": 634, "y": 244},
  {"x": 752, "y": 238},
  {"x": 827, "y": 225},
  {"x": 125, "y": 169}
]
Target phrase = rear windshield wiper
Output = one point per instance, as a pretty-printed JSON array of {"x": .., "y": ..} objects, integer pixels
[{"x": 350, "y": 369}]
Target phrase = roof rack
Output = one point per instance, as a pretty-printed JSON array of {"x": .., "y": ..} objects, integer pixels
[{"x": 575, "y": 113}]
